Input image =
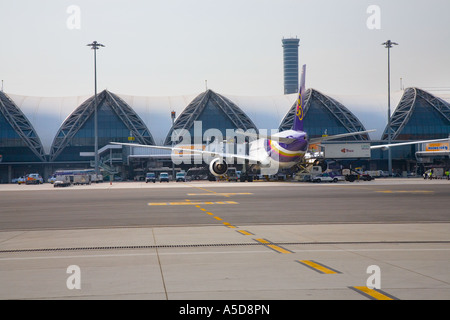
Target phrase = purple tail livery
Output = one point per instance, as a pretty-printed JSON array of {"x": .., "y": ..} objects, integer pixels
[{"x": 299, "y": 114}]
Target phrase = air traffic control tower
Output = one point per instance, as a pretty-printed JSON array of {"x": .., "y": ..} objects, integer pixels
[{"x": 290, "y": 64}]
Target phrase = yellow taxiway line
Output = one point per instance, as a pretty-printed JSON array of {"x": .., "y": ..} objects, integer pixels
[
  {"x": 372, "y": 293},
  {"x": 225, "y": 194},
  {"x": 318, "y": 267},
  {"x": 187, "y": 203},
  {"x": 273, "y": 246}
]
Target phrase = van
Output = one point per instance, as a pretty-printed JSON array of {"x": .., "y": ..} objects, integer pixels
[
  {"x": 150, "y": 177},
  {"x": 163, "y": 176},
  {"x": 181, "y": 177}
]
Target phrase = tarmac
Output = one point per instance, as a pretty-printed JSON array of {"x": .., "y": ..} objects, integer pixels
[{"x": 225, "y": 259}]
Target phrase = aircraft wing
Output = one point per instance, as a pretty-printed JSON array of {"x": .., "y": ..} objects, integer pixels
[
  {"x": 210, "y": 153},
  {"x": 264, "y": 136},
  {"x": 337, "y": 136},
  {"x": 386, "y": 146}
]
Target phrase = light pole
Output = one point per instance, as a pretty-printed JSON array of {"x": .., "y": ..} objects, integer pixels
[
  {"x": 172, "y": 116},
  {"x": 94, "y": 46},
  {"x": 388, "y": 44}
]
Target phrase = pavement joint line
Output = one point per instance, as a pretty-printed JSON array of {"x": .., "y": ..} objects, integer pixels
[
  {"x": 204, "y": 245},
  {"x": 160, "y": 267}
]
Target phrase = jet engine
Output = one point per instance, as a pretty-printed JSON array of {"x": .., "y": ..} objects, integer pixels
[{"x": 218, "y": 167}]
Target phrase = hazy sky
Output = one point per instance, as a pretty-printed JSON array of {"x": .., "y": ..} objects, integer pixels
[{"x": 170, "y": 47}]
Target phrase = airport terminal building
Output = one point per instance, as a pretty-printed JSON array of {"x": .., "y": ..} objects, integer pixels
[{"x": 45, "y": 134}]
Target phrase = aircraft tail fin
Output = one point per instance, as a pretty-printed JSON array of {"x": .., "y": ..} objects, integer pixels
[{"x": 299, "y": 114}]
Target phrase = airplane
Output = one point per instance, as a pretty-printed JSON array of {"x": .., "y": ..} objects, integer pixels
[{"x": 281, "y": 150}]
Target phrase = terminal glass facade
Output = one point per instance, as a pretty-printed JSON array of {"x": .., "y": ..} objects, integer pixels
[
  {"x": 110, "y": 128},
  {"x": 425, "y": 123},
  {"x": 319, "y": 121},
  {"x": 12, "y": 147},
  {"x": 213, "y": 117}
]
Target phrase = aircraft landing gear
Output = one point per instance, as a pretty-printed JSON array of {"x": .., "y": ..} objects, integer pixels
[{"x": 247, "y": 173}]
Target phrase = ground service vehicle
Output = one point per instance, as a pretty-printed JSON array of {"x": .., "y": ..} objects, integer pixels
[
  {"x": 325, "y": 177},
  {"x": 197, "y": 174},
  {"x": 232, "y": 174},
  {"x": 20, "y": 180},
  {"x": 150, "y": 177},
  {"x": 181, "y": 177},
  {"x": 337, "y": 175},
  {"x": 65, "y": 182},
  {"x": 434, "y": 173},
  {"x": 352, "y": 175},
  {"x": 82, "y": 176},
  {"x": 310, "y": 174},
  {"x": 163, "y": 176},
  {"x": 34, "y": 178}
]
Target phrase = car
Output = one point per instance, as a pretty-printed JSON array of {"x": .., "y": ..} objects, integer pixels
[
  {"x": 336, "y": 175},
  {"x": 19, "y": 180},
  {"x": 366, "y": 177},
  {"x": 324, "y": 177},
  {"x": 181, "y": 177},
  {"x": 163, "y": 176},
  {"x": 34, "y": 178},
  {"x": 22, "y": 180},
  {"x": 150, "y": 177},
  {"x": 60, "y": 183}
]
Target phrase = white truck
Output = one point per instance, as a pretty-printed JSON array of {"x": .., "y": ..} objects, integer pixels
[
  {"x": 308, "y": 175},
  {"x": 434, "y": 173},
  {"x": 69, "y": 177},
  {"x": 325, "y": 177}
]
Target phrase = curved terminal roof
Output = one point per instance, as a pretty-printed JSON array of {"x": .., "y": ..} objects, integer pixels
[
  {"x": 419, "y": 115},
  {"x": 324, "y": 115},
  {"x": 155, "y": 112},
  {"x": 19, "y": 123},
  {"x": 371, "y": 110},
  {"x": 46, "y": 116},
  {"x": 215, "y": 111},
  {"x": 77, "y": 119},
  {"x": 266, "y": 112}
]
